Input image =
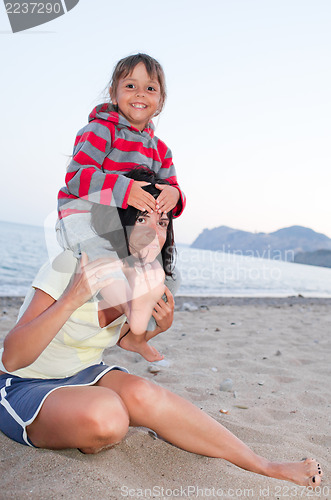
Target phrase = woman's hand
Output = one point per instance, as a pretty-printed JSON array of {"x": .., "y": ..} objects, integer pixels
[
  {"x": 87, "y": 280},
  {"x": 163, "y": 314}
]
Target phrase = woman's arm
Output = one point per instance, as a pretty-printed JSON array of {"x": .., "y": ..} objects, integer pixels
[
  {"x": 45, "y": 316},
  {"x": 37, "y": 327}
]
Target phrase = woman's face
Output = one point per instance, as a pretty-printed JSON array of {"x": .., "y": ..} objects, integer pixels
[{"x": 148, "y": 236}]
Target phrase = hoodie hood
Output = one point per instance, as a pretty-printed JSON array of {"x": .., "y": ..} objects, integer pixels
[{"x": 107, "y": 112}]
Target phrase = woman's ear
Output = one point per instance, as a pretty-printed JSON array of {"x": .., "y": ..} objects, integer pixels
[{"x": 112, "y": 96}]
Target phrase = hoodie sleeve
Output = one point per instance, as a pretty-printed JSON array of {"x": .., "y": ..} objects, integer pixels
[
  {"x": 168, "y": 172},
  {"x": 85, "y": 176}
]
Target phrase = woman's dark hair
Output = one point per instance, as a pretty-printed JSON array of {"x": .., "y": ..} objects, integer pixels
[{"x": 115, "y": 224}]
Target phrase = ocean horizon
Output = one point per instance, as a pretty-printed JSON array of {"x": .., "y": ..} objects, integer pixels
[{"x": 24, "y": 248}]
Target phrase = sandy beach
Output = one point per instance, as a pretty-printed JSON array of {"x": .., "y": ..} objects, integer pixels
[{"x": 276, "y": 353}]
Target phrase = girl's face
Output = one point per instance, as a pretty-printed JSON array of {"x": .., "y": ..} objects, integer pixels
[
  {"x": 137, "y": 97},
  {"x": 148, "y": 236}
]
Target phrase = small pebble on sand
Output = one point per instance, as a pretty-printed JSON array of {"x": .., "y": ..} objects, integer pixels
[
  {"x": 153, "y": 369},
  {"x": 226, "y": 385}
]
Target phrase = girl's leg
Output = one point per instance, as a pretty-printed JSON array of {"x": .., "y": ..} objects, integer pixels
[
  {"x": 186, "y": 426},
  {"x": 138, "y": 343},
  {"x": 147, "y": 287},
  {"x": 146, "y": 290},
  {"x": 89, "y": 418}
]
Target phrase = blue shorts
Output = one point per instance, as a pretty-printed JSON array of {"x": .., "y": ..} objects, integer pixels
[{"x": 22, "y": 398}]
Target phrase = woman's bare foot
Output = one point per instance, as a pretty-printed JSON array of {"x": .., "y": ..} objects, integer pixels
[
  {"x": 137, "y": 343},
  {"x": 305, "y": 473}
]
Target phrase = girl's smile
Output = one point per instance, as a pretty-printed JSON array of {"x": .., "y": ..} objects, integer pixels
[{"x": 137, "y": 97}]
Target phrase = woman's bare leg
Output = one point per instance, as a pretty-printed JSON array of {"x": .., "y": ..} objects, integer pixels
[
  {"x": 89, "y": 418},
  {"x": 186, "y": 426}
]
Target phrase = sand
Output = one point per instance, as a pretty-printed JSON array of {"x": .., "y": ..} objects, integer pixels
[{"x": 277, "y": 353}]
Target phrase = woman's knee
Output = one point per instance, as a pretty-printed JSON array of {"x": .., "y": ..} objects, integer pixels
[
  {"x": 106, "y": 420},
  {"x": 144, "y": 394}
]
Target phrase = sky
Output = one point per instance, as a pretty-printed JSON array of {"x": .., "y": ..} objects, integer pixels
[{"x": 247, "y": 115}]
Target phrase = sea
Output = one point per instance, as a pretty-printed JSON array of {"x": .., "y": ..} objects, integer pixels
[{"x": 24, "y": 248}]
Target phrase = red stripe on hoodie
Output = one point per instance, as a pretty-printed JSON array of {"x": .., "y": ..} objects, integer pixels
[
  {"x": 122, "y": 166},
  {"x": 125, "y": 201},
  {"x": 107, "y": 189},
  {"x": 84, "y": 159},
  {"x": 162, "y": 148},
  {"x": 85, "y": 182},
  {"x": 70, "y": 175},
  {"x": 93, "y": 139},
  {"x": 127, "y": 146}
]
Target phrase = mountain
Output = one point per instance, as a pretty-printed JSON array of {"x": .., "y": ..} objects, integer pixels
[
  {"x": 319, "y": 258},
  {"x": 283, "y": 244}
]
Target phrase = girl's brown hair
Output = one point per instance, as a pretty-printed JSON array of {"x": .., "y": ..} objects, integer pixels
[{"x": 154, "y": 69}]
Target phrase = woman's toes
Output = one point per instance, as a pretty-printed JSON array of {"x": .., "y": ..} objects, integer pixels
[
  {"x": 314, "y": 481},
  {"x": 312, "y": 463},
  {"x": 315, "y": 470}
]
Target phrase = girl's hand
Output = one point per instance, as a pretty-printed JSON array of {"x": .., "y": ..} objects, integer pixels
[
  {"x": 140, "y": 199},
  {"x": 87, "y": 280},
  {"x": 167, "y": 199}
]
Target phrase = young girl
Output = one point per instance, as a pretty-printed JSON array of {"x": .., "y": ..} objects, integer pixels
[{"x": 119, "y": 137}]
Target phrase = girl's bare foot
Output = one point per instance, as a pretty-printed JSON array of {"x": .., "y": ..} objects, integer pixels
[
  {"x": 305, "y": 473},
  {"x": 136, "y": 343},
  {"x": 147, "y": 287}
]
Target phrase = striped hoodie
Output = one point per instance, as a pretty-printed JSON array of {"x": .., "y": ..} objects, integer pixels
[{"x": 104, "y": 150}]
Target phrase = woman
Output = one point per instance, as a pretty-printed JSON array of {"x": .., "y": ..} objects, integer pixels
[{"x": 55, "y": 394}]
